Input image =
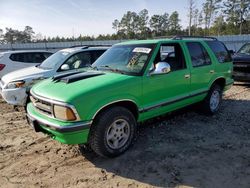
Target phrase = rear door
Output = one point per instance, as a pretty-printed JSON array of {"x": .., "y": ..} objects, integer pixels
[{"x": 202, "y": 69}]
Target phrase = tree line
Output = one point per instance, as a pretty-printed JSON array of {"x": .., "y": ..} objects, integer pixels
[{"x": 215, "y": 17}]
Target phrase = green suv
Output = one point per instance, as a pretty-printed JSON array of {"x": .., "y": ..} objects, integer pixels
[{"x": 130, "y": 83}]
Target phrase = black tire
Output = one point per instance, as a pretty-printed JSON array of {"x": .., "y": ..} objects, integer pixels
[
  {"x": 104, "y": 124},
  {"x": 206, "y": 105}
]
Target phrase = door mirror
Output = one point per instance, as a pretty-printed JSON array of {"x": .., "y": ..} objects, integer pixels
[
  {"x": 231, "y": 52},
  {"x": 161, "y": 68},
  {"x": 65, "y": 67}
]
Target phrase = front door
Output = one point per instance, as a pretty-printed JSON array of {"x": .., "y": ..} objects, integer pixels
[{"x": 165, "y": 92}]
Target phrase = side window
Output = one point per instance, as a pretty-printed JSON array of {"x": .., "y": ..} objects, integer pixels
[
  {"x": 198, "y": 53},
  {"x": 17, "y": 57},
  {"x": 37, "y": 58},
  {"x": 28, "y": 57},
  {"x": 220, "y": 51},
  {"x": 172, "y": 54},
  {"x": 46, "y": 55},
  {"x": 96, "y": 54},
  {"x": 77, "y": 61}
]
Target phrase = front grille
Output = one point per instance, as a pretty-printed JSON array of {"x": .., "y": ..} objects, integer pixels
[{"x": 41, "y": 105}]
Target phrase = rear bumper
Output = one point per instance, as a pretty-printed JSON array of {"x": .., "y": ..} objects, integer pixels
[{"x": 64, "y": 132}]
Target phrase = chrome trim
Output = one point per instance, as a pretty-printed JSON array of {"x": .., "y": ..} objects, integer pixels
[
  {"x": 121, "y": 100},
  {"x": 74, "y": 127},
  {"x": 55, "y": 102}
]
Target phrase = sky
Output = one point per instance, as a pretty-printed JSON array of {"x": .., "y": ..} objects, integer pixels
[{"x": 74, "y": 17}]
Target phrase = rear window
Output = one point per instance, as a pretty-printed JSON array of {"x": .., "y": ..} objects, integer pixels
[
  {"x": 220, "y": 51},
  {"x": 35, "y": 57}
]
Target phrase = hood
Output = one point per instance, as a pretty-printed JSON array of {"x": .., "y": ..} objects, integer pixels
[
  {"x": 241, "y": 58},
  {"x": 24, "y": 74},
  {"x": 88, "y": 83}
]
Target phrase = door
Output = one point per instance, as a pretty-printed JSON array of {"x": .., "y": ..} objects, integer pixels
[
  {"x": 202, "y": 69},
  {"x": 165, "y": 92}
]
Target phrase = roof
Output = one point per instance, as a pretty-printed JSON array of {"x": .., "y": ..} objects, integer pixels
[
  {"x": 84, "y": 48},
  {"x": 176, "y": 38},
  {"x": 24, "y": 51}
]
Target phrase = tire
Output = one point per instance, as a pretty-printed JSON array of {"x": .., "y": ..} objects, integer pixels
[
  {"x": 113, "y": 132},
  {"x": 212, "y": 102}
]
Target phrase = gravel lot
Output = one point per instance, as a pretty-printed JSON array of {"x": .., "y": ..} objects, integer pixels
[{"x": 184, "y": 149}]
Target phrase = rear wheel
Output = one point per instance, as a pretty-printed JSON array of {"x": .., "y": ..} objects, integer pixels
[
  {"x": 212, "y": 102},
  {"x": 113, "y": 131}
]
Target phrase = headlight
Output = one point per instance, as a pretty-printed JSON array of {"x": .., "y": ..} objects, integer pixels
[
  {"x": 16, "y": 84},
  {"x": 64, "y": 113}
]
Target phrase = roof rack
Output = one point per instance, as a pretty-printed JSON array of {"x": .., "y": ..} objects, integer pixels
[
  {"x": 87, "y": 46},
  {"x": 181, "y": 37}
]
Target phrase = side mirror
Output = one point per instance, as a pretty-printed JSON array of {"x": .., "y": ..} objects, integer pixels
[
  {"x": 65, "y": 67},
  {"x": 161, "y": 68}
]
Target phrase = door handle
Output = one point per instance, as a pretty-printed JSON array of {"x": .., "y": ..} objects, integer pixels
[
  {"x": 187, "y": 76},
  {"x": 211, "y": 71}
]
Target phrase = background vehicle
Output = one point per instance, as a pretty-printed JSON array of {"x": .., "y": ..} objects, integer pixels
[
  {"x": 131, "y": 82},
  {"x": 15, "y": 86},
  {"x": 15, "y": 60},
  {"x": 241, "y": 63}
]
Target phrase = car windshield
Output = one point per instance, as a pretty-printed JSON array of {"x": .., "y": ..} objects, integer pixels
[
  {"x": 54, "y": 59},
  {"x": 245, "y": 49},
  {"x": 125, "y": 59}
]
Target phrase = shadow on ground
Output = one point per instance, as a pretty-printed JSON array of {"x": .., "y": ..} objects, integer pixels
[{"x": 187, "y": 148}]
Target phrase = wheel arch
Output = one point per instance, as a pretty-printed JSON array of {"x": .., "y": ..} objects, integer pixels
[
  {"x": 221, "y": 81},
  {"x": 129, "y": 104}
]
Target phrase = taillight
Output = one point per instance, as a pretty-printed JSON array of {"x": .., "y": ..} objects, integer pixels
[{"x": 2, "y": 66}]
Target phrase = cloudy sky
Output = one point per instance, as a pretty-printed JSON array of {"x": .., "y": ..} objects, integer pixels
[{"x": 86, "y": 17}]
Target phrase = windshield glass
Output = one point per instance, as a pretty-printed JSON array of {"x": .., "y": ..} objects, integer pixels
[
  {"x": 54, "y": 59},
  {"x": 127, "y": 59},
  {"x": 245, "y": 49}
]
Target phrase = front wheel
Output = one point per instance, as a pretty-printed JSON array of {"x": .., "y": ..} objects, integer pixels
[
  {"x": 113, "y": 132},
  {"x": 212, "y": 102}
]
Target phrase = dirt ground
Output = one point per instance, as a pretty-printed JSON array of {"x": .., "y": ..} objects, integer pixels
[{"x": 185, "y": 149}]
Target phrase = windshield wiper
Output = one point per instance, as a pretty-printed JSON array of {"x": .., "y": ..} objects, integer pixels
[{"x": 112, "y": 69}]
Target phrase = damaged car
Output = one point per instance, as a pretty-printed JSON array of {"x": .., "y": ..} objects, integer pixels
[{"x": 15, "y": 86}]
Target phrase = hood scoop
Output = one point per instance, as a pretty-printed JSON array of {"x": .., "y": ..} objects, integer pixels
[
  {"x": 73, "y": 77},
  {"x": 58, "y": 77}
]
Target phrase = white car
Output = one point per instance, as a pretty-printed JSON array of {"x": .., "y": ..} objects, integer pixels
[
  {"x": 15, "y": 86},
  {"x": 15, "y": 60}
]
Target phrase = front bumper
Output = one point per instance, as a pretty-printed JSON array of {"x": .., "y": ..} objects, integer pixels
[
  {"x": 16, "y": 96},
  {"x": 64, "y": 132}
]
